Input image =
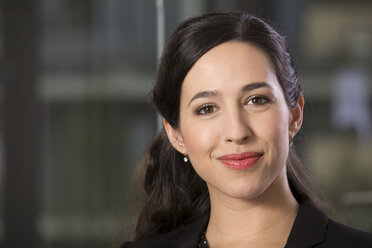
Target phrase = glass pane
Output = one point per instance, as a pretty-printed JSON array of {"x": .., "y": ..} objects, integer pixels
[{"x": 99, "y": 63}]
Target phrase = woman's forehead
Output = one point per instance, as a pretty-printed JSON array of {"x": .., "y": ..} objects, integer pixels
[{"x": 230, "y": 64}]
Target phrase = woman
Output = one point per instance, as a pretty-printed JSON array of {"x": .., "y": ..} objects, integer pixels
[{"x": 223, "y": 171}]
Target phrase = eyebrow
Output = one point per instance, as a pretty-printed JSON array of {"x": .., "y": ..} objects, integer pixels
[
  {"x": 256, "y": 85},
  {"x": 246, "y": 88}
]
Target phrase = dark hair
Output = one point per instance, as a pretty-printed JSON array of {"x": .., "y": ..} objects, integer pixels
[{"x": 174, "y": 193}]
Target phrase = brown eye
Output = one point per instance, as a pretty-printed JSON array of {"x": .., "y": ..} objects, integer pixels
[
  {"x": 204, "y": 110},
  {"x": 258, "y": 100}
]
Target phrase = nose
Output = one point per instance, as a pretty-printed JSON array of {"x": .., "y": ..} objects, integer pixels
[{"x": 237, "y": 129}]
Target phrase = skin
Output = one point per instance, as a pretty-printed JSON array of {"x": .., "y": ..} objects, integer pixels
[{"x": 252, "y": 207}]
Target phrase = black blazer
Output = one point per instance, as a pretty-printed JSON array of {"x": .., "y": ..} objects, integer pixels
[{"x": 312, "y": 228}]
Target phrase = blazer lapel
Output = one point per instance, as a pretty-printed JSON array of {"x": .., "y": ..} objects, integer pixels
[
  {"x": 309, "y": 227},
  {"x": 191, "y": 236},
  {"x": 186, "y": 236}
]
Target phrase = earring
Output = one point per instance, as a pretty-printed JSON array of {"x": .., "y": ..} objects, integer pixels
[{"x": 185, "y": 158}]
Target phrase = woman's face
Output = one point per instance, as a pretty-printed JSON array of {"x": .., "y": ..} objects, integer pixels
[{"x": 235, "y": 125}]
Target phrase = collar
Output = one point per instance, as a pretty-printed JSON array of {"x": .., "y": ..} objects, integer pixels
[
  {"x": 193, "y": 232},
  {"x": 309, "y": 227},
  {"x": 187, "y": 236}
]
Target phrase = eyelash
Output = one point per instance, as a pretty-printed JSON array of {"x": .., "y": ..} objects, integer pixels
[
  {"x": 199, "y": 110},
  {"x": 203, "y": 107},
  {"x": 264, "y": 98}
]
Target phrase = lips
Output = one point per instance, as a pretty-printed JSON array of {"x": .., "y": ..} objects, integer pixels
[{"x": 240, "y": 161}]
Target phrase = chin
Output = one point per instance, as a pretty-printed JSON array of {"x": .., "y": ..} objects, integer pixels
[{"x": 245, "y": 191}]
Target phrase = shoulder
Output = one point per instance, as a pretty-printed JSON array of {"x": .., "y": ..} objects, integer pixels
[
  {"x": 312, "y": 228},
  {"x": 339, "y": 235},
  {"x": 185, "y": 236}
]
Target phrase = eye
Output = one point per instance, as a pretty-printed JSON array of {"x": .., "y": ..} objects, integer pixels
[
  {"x": 258, "y": 100},
  {"x": 205, "y": 109}
]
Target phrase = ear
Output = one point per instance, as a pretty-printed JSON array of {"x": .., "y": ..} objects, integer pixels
[
  {"x": 296, "y": 116},
  {"x": 175, "y": 137}
]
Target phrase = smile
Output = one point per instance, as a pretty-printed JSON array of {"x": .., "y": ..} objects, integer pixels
[{"x": 240, "y": 161}]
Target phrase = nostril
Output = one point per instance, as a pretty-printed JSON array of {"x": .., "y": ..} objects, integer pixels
[
  {"x": 238, "y": 140},
  {"x": 243, "y": 139}
]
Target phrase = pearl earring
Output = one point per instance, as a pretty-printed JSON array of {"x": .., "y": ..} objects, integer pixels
[{"x": 185, "y": 158}]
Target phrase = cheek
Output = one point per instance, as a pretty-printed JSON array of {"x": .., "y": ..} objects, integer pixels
[
  {"x": 277, "y": 129},
  {"x": 270, "y": 129},
  {"x": 200, "y": 139},
  {"x": 274, "y": 130}
]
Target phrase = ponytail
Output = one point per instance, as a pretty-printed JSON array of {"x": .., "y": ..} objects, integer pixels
[{"x": 174, "y": 193}]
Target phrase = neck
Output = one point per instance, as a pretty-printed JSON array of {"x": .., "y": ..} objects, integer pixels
[{"x": 268, "y": 217}]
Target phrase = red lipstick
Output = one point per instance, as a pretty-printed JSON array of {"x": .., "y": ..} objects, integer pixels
[{"x": 240, "y": 161}]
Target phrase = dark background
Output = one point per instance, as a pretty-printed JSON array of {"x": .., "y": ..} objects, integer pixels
[{"x": 75, "y": 118}]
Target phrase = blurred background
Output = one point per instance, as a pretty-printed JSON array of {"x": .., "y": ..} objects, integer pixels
[{"x": 75, "y": 116}]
